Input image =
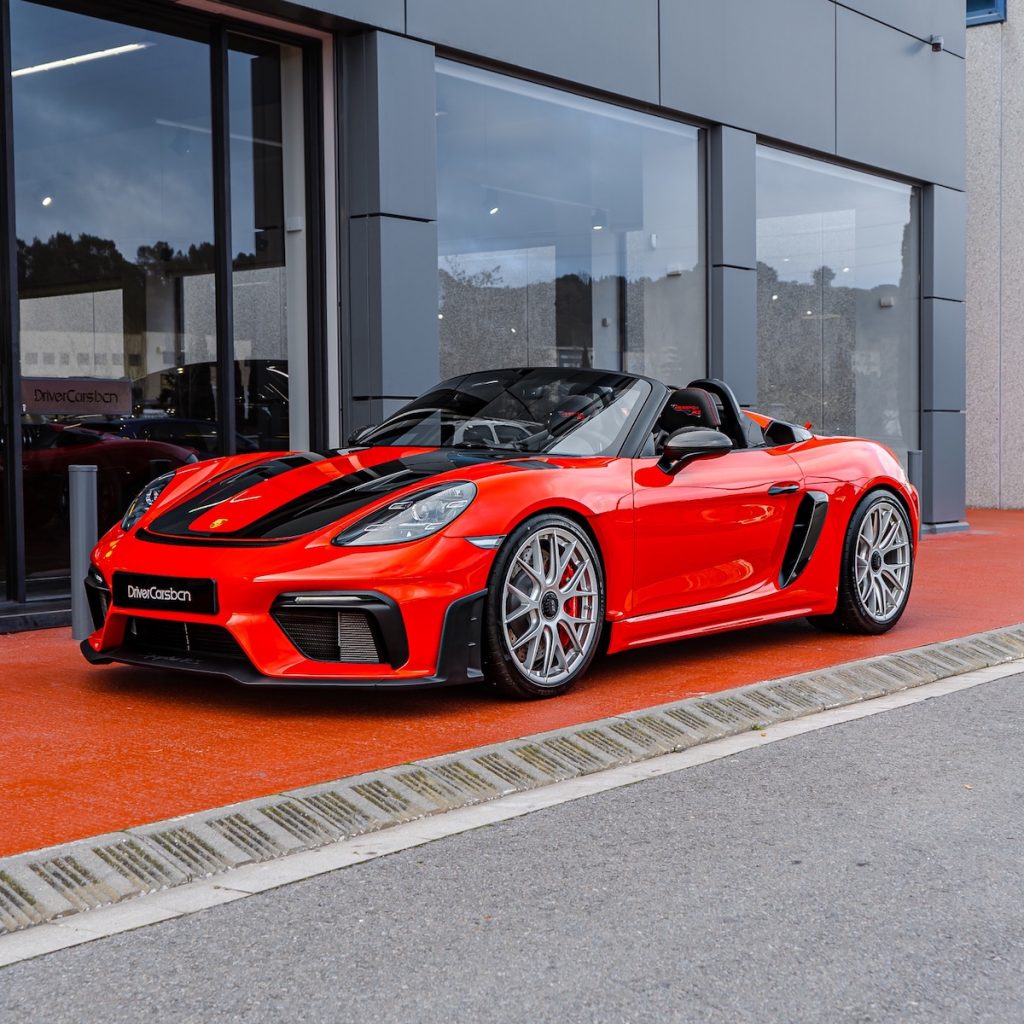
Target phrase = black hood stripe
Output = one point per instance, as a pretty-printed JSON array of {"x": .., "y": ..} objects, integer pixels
[{"x": 319, "y": 507}]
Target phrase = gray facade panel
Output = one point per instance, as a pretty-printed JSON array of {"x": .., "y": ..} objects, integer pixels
[
  {"x": 943, "y": 363},
  {"x": 393, "y": 306},
  {"x": 607, "y": 44},
  {"x": 899, "y": 106},
  {"x": 765, "y": 67},
  {"x": 386, "y": 14},
  {"x": 943, "y": 243},
  {"x": 733, "y": 198},
  {"x": 944, "y": 442},
  {"x": 408, "y": 295},
  {"x": 391, "y": 158},
  {"x": 921, "y": 18},
  {"x": 734, "y": 330}
]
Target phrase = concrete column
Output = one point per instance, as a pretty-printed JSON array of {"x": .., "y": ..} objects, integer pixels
[
  {"x": 943, "y": 363},
  {"x": 391, "y": 177},
  {"x": 732, "y": 218}
]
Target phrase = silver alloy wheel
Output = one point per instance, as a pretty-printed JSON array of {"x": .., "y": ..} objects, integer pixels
[
  {"x": 882, "y": 561},
  {"x": 549, "y": 606}
]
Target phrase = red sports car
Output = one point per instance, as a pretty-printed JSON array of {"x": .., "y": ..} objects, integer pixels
[{"x": 506, "y": 525}]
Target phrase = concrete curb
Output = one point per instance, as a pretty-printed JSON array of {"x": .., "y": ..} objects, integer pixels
[{"x": 55, "y": 883}]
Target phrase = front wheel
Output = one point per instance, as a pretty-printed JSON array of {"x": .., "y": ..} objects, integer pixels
[
  {"x": 545, "y": 608},
  {"x": 877, "y": 568}
]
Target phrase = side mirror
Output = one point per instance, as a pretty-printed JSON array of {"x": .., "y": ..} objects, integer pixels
[
  {"x": 357, "y": 435},
  {"x": 689, "y": 443}
]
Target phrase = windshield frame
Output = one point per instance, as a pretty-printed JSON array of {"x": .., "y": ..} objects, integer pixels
[{"x": 548, "y": 396}]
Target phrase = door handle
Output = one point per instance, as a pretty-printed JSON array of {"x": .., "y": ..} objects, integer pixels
[{"x": 783, "y": 489}]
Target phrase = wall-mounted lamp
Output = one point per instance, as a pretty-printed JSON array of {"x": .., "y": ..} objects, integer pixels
[{"x": 938, "y": 44}]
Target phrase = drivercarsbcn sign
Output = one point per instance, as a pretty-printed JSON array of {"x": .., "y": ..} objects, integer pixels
[
  {"x": 75, "y": 396},
  {"x": 162, "y": 593}
]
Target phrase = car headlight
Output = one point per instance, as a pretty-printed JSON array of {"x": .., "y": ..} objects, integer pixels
[
  {"x": 141, "y": 505},
  {"x": 410, "y": 518}
]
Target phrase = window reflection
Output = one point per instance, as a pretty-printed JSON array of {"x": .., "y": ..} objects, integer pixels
[
  {"x": 570, "y": 231},
  {"x": 837, "y": 299}
]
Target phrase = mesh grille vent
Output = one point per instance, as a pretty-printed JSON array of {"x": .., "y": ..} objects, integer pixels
[
  {"x": 323, "y": 634},
  {"x": 195, "y": 638}
]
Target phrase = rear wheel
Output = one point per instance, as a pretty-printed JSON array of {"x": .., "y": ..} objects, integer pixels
[
  {"x": 545, "y": 608},
  {"x": 877, "y": 568}
]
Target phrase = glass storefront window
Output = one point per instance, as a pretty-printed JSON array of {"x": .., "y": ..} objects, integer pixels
[
  {"x": 837, "y": 299},
  {"x": 115, "y": 200},
  {"x": 570, "y": 232}
]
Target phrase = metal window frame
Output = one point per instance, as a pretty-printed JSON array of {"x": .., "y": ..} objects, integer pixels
[
  {"x": 10, "y": 349},
  {"x": 213, "y": 30},
  {"x": 996, "y": 12}
]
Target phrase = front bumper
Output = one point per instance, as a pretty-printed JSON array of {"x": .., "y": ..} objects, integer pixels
[
  {"x": 272, "y": 623},
  {"x": 459, "y": 658}
]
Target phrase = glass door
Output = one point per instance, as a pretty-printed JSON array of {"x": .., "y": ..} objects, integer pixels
[{"x": 158, "y": 299}]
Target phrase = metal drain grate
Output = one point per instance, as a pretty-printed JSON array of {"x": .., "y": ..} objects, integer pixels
[
  {"x": 341, "y": 813},
  {"x": 196, "y": 856},
  {"x": 463, "y": 777},
  {"x": 660, "y": 726},
  {"x": 77, "y": 884},
  {"x": 299, "y": 822},
  {"x": 577, "y": 756},
  {"x": 639, "y": 737},
  {"x": 17, "y": 907},
  {"x": 505, "y": 770},
  {"x": 605, "y": 743},
  {"x": 541, "y": 760},
  {"x": 719, "y": 712},
  {"x": 247, "y": 836},
  {"x": 424, "y": 785},
  {"x": 686, "y": 718},
  {"x": 383, "y": 797},
  {"x": 138, "y": 865}
]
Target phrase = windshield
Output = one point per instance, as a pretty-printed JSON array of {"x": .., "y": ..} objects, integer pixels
[{"x": 549, "y": 410}]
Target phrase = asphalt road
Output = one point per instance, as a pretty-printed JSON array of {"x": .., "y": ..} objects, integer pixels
[{"x": 868, "y": 872}]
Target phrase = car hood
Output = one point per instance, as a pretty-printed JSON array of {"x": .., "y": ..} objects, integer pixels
[{"x": 293, "y": 495}]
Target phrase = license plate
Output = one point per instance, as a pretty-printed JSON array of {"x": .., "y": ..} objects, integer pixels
[{"x": 165, "y": 593}]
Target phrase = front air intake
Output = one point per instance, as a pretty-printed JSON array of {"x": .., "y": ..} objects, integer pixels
[
  {"x": 194, "y": 639},
  {"x": 326, "y": 634}
]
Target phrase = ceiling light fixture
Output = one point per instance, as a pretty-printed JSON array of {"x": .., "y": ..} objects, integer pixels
[
  {"x": 494, "y": 210},
  {"x": 47, "y": 200},
  {"x": 83, "y": 58}
]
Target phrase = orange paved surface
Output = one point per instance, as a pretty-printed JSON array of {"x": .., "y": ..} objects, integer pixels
[{"x": 89, "y": 750}]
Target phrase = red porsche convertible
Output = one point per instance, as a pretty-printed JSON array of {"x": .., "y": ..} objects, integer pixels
[{"x": 505, "y": 526}]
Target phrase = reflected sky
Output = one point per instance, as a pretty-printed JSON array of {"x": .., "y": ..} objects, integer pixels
[{"x": 117, "y": 147}]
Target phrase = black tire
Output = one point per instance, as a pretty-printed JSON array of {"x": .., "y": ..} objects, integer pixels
[
  {"x": 542, "y": 626},
  {"x": 874, "y": 577}
]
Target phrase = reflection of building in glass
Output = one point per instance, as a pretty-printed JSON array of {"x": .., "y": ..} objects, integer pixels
[{"x": 274, "y": 228}]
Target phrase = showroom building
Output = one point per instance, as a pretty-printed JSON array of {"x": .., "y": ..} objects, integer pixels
[{"x": 231, "y": 226}]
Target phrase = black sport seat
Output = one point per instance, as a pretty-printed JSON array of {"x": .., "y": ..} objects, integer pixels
[{"x": 688, "y": 407}]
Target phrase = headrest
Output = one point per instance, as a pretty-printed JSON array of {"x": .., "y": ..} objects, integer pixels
[
  {"x": 569, "y": 414},
  {"x": 689, "y": 407}
]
